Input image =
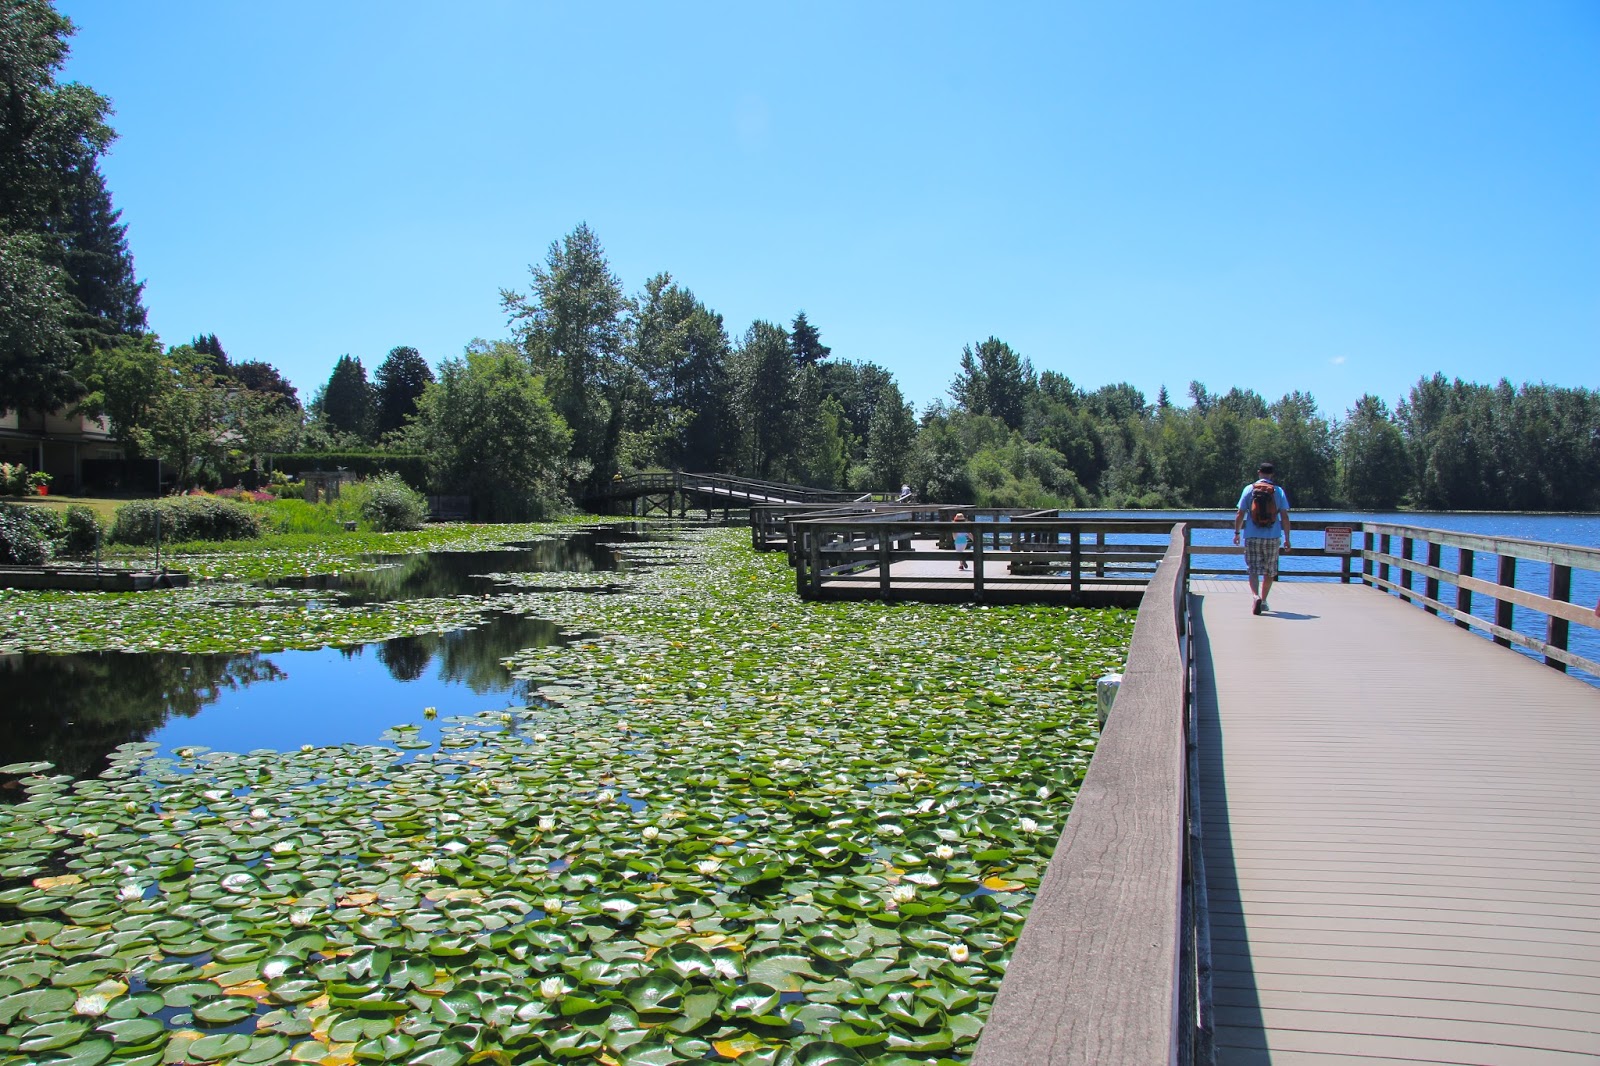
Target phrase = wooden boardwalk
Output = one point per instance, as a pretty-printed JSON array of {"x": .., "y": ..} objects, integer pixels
[{"x": 1401, "y": 835}]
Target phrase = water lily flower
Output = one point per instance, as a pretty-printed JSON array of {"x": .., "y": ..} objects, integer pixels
[
  {"x": 426, "y": 865},
  {"x": 944, "y": 852},
  {"x": 1029, "y": 825},
  {"x": 131, "y": 807},
  {"x": 650, "y": 832},
  {"x": 546, "y": 823},
  {"x": 708, "y": 866},
  {"x": 604, "y": 796},
  {"x": 553, "y": 906},
  {"x": 904, "y": 893},
  {"x": 541, "y": 737},
  {"x": 259, "y": 813},
  {"x": 90, "y": 1006},
  {"x": 130, "y": 892},
  {"x": 300, "y": 919},
  {"x": 282, "y": 847},
  {"x": 505, "y": 718},
  {"x": 959, "y": 953},
  {"x": 552, "y": 988},
  {"x": 430, "y": 712},
  {"x": 306, "y": 747}
]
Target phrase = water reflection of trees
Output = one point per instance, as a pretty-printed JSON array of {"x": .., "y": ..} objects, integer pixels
[
  {"x": 446, "y": 574},
  {"x": 73, "y": 710},
  {"x": 472, "y": 657}
]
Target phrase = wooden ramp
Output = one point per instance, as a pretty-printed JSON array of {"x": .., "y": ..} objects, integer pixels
[{"x": 1402, "y": 836}]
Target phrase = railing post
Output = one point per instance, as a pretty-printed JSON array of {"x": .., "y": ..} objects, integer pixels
[
  {"x": 1385, "y": 542},
  {"x": 1100, "y": 554},
  {"x": 1464, "y": 563},
  {"x": 1430, "y": 584},
  {"x": 883, "y": 561},
  {"x": 1369, "y": 540},
  {"x": 1503, "y": 617},
  {"x": 1407, "y": 546},
  {"x": 814, "y": 550},
  {"x": 1077, "y": 559},
  {"x": 977, "y": 564},
  {"x": 1556, "y": 628}
]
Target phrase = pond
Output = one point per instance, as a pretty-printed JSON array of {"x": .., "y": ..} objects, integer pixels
[{"x": 703, "y": 822}]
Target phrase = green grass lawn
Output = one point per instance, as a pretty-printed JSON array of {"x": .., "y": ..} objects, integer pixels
[{"x": 104, "y": 508}]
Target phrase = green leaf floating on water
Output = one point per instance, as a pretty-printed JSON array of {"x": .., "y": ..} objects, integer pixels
[{"x": 727, "y": 818}]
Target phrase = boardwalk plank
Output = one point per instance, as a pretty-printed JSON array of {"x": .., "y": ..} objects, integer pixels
[{"x": 1403, "y": 857}]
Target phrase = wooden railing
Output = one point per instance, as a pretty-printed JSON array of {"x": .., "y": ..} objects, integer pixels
[
  {"x": 728, "y": 486},
  {"x": 1107, "y": 969},
  {"x": 1420, "y": 560}
]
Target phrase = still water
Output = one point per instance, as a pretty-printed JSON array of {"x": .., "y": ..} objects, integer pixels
[{"x": 74, "y": 710}]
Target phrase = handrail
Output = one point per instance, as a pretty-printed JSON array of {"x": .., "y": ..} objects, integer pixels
[
  {"x": 1379, "y": 560},
  {"x": 1098, "y": 974}
]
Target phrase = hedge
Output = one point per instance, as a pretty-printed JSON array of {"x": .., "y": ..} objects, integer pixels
[{"x": 181, "y": 518}]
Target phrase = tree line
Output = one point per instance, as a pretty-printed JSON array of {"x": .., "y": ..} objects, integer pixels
[{"x": 592, "y": 381}]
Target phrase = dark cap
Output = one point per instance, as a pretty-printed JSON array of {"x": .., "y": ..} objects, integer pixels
[{"x": 1264, "y": 468}]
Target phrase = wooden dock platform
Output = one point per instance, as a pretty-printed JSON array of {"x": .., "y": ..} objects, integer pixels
[{"x": 1401, "y": 828}]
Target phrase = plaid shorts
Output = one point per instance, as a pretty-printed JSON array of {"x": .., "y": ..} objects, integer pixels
[{"x": 1261, "y": 557}]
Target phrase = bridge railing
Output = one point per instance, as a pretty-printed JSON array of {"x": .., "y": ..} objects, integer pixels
[
  {"x": 1109, "y": 966},
  {"x": 1438, "y": 571},
  {"x": 729, "y": 486}
]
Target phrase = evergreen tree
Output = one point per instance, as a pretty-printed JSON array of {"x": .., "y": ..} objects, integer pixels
[
  {"x": 95, "y": 256},
  {"x": 890, "y": 440},
  {"x": 345, "y": 404},
  {"x": 767, "y": 400},
  {"x": 401, "y": 379},
  {"x": 994, "y": 380},
  {"x": 216, "y": 358},
  {"x": 806, "y": 343},
  {"x": 1372, "y": 457},
  {"x": 264, "y": 378},
  {"x": 37, "y": 348}
]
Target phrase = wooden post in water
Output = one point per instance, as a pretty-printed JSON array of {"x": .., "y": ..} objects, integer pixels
[
  {"x": 1464, "y": 557},
  {"x": 1556, "y": 628},
  {"x": 1502, "y": 608},
  {"x": 1431, "y": 584}
]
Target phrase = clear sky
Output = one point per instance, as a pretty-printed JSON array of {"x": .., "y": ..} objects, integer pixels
[{"x": 1335, "y": 197}]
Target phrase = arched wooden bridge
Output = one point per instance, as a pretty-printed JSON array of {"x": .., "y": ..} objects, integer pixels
[{"x": 1346, "y": 831}]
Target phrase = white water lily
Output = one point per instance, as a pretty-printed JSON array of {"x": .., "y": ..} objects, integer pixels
[
  {"x": 259, "y": 813},
  {"x": 553, "y": 906},
  {"x": 426, "y": 866},
  {"x": 430, "y": 712},
  {"x": 282, "y": 847},
  {"x": 944, "y": 852},
  {"x": 130, "y": 892},
  {"x": 552, "y": 988},
  {"x": 306, "y": 747},
  {"x": 604, "y": 796},
  {"x": 90, "y": 1006},
  {"x": 541, "y": 737},
  {"x": 300, "y": 919},
  {"x": 546, "y": 823},
  {"x": 1029, "y": 825},
  {"x": 959, "y": 953},
  {"x": 649, "y": 832},
  {"x": 708, "y": 866},
  {"x": 904, "y": 893}
]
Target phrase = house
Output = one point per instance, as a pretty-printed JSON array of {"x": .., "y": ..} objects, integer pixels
[{"x": 74, "y": 449}]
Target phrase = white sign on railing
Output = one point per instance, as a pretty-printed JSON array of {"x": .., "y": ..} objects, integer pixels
[{"x": 1336, "y": 540}]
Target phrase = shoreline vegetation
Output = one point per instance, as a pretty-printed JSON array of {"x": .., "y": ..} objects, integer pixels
[{"x": 730, "y": 826}]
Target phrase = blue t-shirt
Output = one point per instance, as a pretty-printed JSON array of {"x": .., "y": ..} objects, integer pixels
[{"x": 1250, "y": 527}]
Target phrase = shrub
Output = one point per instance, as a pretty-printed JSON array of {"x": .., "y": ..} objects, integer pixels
[
  {"x": 29, "y": 535},
  {"x": 13, "y": 479},
  {"x": 387, "y": 504},
  {"x": 184, "y": 518},
  {"x": 83, "y": 531}
]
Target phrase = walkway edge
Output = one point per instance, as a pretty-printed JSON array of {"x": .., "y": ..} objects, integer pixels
[{"x": 1094, "y": 979}]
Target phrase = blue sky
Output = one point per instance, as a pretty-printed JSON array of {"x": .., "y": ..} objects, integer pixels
[{"x": 1338, "y": 198}]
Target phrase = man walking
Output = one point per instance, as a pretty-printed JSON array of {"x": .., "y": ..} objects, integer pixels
[{"x": 1263, "y": 510}]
